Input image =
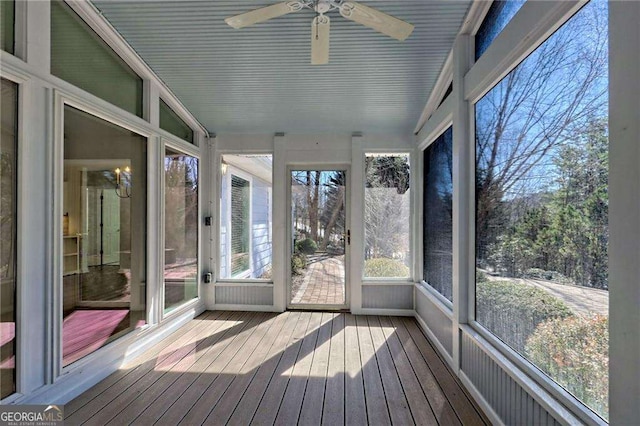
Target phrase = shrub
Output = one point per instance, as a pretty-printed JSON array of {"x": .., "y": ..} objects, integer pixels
[
  {"x": 266, "y": 273},
  {"x": 385, "y": 268},
  {"x": 574, "y": 351},
  {"x": 541, "y": 274},
  {"x": 306, "y": 246},
  {"x": 537, "y": 273},
  {"x": 512, "y": 311},
  {"x": 298, "y": 263}
]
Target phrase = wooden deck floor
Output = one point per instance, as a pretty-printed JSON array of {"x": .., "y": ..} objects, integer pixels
[{"x": 293, "y": 368}]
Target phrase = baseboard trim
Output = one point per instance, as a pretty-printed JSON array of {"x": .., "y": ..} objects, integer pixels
[
  {"x": 249, "y": 308},
  {"x": 385, "y": 312},
  {"x": 432, "y": 337}
]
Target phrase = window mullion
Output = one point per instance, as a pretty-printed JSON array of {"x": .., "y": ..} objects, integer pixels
[{"x": 462, "y": 193}]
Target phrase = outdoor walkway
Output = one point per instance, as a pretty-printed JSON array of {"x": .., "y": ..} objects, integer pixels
[
  {"x": 581, "y": 300},
  {"x": 323, "y": 282}
]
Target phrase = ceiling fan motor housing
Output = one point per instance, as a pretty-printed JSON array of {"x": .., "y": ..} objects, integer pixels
[{"x": 322, "y": 6}]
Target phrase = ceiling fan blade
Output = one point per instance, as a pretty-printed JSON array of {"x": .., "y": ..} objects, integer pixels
[
  {"x": 379, "y": 21},
  {"x": 263, "y": 14},
  {"x": 320, "y": 40}
]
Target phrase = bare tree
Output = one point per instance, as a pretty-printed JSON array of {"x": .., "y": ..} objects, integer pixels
[
  {"x": 533, "y": 111},
  {"x": 386, "y": 206}
]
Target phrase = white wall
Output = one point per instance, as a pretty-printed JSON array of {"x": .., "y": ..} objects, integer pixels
[{"x": 261, "y": 246}]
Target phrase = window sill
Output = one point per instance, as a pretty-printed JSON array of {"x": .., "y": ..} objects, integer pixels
[
  {"x": 387, "y": 281},
  {"x": 443, "y": 302},
  {"x": 243, "y": 282}
]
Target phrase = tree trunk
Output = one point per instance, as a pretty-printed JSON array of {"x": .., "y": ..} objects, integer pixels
[{"x": 333, "y": 219}]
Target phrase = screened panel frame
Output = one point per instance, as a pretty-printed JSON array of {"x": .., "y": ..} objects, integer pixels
[
  {"x": 536, "y": 22},
  {"x": 181, "y": 146},
  {"x": 21, "y": 308},
  {"x": 414, "y": 222},
  {"x": 54, "y": 314},
  {"x": 291, "y": 166},
  {"x": 507, "y": 51},
  {"x": 440, "y": 121},
  {"x": 215, "y": 241},
  {"x": 561, "y": 13},
  {"x": 19, "y": 178},
  {"x": 439, "y": 285}
]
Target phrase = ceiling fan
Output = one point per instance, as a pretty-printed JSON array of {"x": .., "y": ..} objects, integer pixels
[{"x": 364, "y": 15}]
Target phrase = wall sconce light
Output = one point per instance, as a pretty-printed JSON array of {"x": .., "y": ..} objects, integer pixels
[
  {"x": 65, "y": 224},
  {"x": 123, "y": 182}
]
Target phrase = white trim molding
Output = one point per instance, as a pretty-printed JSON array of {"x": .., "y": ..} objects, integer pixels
[{"x": 624, "y": 211}]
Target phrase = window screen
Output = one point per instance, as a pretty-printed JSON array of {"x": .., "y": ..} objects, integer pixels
[
  {"x": 542, "y": 208},
  {"x": 437, "y": 223},
  {"x": 387, "y": 216},
  {"x": 499, "y": 15},
  {"x": 240, "y": 204},
  {"x": 180, "y": 228}
]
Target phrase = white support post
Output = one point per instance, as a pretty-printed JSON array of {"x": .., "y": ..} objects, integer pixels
[
  {"x": 417, "y": 177},
  {"x": 462, "y": 193},
  {"x": 209, "y": 188},
  {"x": 151, "y": 111},
  {"x": 35, "y": 237},
  {"x": 33, "y": 41},
  {"x": 357, "y": 223},
  {"x": 280, "y": 211},
  {"x": 624, "y": 213},
  {"x": 36, "y": 317},
  {"x": 155, "y": 229}
]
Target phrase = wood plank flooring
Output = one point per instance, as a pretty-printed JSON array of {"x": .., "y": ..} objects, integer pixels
[{"x": 306, "y": 368}]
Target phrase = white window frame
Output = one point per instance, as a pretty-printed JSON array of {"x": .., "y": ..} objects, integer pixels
[
  {"x": 21, "y": 251},
  {"x": 217, "y": 223},
  {"x": 233, "y": 171},
  {"x": 186, "y": 148},
  {"x": 113, "y": 116},
  {"x": 412, "y": 218},
  {"x": 476, "y": 88},
  {"x": 347, "y": 169},
  {"x": 443, "y": 124}
]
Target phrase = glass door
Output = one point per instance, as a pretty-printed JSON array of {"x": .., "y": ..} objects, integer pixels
[{"x": 319, "y": 238}]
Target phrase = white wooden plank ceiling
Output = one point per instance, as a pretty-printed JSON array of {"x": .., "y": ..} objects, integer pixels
[{"x": 259, "y": 79}]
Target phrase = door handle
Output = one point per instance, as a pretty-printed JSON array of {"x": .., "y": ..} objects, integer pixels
[{"x": 348, "y": 236}]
